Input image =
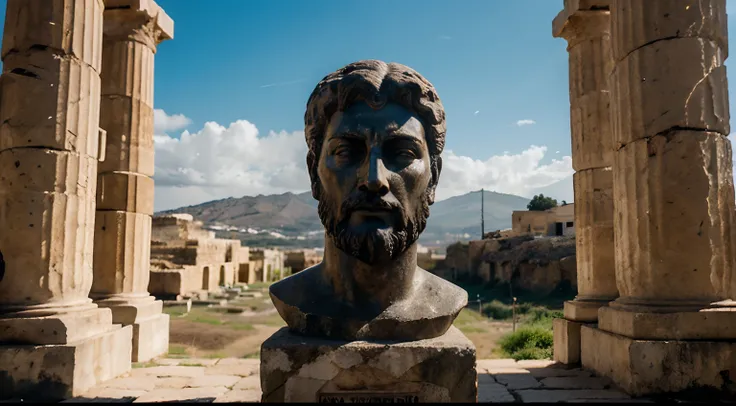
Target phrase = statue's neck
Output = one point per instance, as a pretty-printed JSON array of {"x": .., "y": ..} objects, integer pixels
[{"x": 359, "y": 283}]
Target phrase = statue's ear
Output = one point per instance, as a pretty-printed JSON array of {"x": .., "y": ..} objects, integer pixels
[
  {"x": 436, "y": 169},
  {"x": 315, "y": 182}
]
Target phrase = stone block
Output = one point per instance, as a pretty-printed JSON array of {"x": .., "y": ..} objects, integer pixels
[
  {"x": 517, "y": 381},
  {"x": 494, "y": 393},
  {"x": 150, "y": 338},
  {"x": 585, "y": 311},
  {"x": 647, "y": 367},
  {"x": 248, "y": 383},
  {"x": 129, "y": 309},
  {"x": 566, "y": 341},
  {"x": 122, "y": 252},
  {"x": 118, "y": 10},
  {"x": 46, "y": 170},
  {"x": 635, "y": 24},
  {"x": 249, "y": 396},
  {"x": 73, "y": 27},
  {"x": 128, "y": 70},
  {"x": 666, "y": 85},
  {"x": 567, "y": 23},
  {"x": 170, "y": 372},
  {"x": 590, "y": 126},
  {"x": 55, "y": 372},
  {"x": 234, "y": 369},
  {"x": 55, "y": 104},
  {"x": 576, "y": 382},
  {"x": 129, "y": 126},
  {"x": 122, "y": 191},
  {"x": 202, "y": 395},
  {"x": 214, "y": 380},
  {"x": 302, "y": 369},
  {"x": 594, "y": 237},
  {"x": 674, "y": 220},
  {"x": 708, "y": 324},
  {"x": 63, "y": 328}
]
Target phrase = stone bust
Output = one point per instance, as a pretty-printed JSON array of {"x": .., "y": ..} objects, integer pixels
[{"x": 375, "y": 132}]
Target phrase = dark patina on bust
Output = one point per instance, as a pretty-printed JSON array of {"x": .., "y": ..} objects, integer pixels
[{"x": 375, "y": 133}]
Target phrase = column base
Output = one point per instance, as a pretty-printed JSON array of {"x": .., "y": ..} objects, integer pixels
[
  {"x": 55, "y": 372},
  {"x": 306, "y": 369},
  {"x": 150, "y": 324},
  {"x": 649, "y": 367},
  {"x": 715, "y": 323},
  {"x": 62, "y": 328},
  {"x": 150, "y": 338},
  {"x": 585, "y": 311}
]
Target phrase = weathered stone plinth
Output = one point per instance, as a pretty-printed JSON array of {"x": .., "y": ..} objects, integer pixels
[
  {"x": 303, "y": 369},
  {"x": 646, "y": 367},
  {"x": 566, "y": 341},
  {"x": 60, "y": 371},
  {"x": 150, "y": 325}
]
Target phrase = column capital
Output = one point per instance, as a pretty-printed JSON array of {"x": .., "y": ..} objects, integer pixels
[
  {"x": 582, "y": 19},
  {"x": 143, "y": 21}
]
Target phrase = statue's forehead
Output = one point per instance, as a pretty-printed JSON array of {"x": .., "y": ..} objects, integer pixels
[{"x": 364, "y": 118}]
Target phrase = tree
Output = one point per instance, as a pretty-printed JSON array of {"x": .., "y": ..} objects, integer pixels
[{"x": 541, "y": 203}]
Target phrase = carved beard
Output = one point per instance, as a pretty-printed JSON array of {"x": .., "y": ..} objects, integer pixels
[{"x": 378, "y": 245}]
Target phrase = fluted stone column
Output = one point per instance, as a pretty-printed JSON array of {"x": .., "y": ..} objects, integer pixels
[
  {"x": 125, "y": 183},
  {"x": 673, "y": 325},
  {"x": 587, "y": 31},
  {"x": 54, "y": 342}
]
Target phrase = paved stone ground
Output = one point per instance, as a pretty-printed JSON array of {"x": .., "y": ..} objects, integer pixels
[{"x": 237, "y": 380}]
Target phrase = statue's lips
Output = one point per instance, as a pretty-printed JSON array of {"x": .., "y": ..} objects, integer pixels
[{"x": 371, "y": 214}]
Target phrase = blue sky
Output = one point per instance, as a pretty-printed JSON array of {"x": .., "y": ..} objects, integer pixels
[{"x": 231, "y": 88}]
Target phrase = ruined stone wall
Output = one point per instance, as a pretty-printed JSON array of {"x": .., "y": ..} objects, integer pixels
[{"x": 530, "y": 222}]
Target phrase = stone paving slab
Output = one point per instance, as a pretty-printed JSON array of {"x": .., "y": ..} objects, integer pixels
[{"x": 238, "y": 380}]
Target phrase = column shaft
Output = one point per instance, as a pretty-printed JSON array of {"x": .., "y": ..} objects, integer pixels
[
  {"x": 125, "y": 184},
  {"x": 48, "y": 154},
  {"x": 673, "y": 177},
  {"x": 588, "y": 34}
]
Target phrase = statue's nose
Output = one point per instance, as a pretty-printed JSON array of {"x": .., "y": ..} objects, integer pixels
[{"x": 376, "y": 180}]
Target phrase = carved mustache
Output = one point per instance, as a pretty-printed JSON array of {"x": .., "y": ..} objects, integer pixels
[{"x": 361, "y": 202}]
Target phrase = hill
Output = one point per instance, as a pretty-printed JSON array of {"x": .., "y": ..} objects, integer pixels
[{"x": 296, "y": 214}]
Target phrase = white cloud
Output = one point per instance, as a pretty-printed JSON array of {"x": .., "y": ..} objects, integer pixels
[
  {"x": 476, "y": 112},
  {"x": 218, "y": 162},
  {"x": 164, "y": 123},
  {"x": 525, "y": 122}
]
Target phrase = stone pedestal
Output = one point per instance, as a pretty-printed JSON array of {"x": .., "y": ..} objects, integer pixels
[
  {"x": 586, "y": 27},
  {"x": 304, "y": 369},
  {"x": 132, "y": 30}
]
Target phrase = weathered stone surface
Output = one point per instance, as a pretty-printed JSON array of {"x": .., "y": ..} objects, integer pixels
[
  {"x": 674, "y": 223},
  {"x": 208, "y": 394},
  {"x": 233, "y": 369},
  {"x": 295, "y": 368},
  {"x": 710, "y": 324},
  {"x": 250, "y": 396},
  {"x": 141, "y": 383},
  {"x": 55, "y": 103},
  {"x": 63, "y": 328},
  {"x": 590, "y": 126},
  {"x": 566, "y": 341},
  {"x": 248, "y": 383},
  {"x": 494, "y": 393},
  {"x": 150, "y": 337},
  {"x": 636, "y": 24},
  {"x": 646, "y": 367},
  {"x": 596, "y": 271},
  {"x": 554, "y": 396},
  {"x": 213, "y": 380},
  {"x": 119, "y": 191},
  {"x": 122, "y": 253},
  {"x": 129, "y": 127},
  {"x": 517, "y": 381},
  {"x": 576, "y": 382},
  {"x": 64, "y": 371},
  {"x": 667, "y": 85},
  {"x": 169, "y": 371},
  {"x": 174, "y": 382},
  {"x": 49, "y": 23}
]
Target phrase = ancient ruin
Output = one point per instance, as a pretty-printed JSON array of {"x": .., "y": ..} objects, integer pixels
[
  {"x": 367, "y": 307},
  {"x": 81, "y": 258}
]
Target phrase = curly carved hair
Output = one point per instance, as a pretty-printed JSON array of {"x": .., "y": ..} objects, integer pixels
[{"x": 376, "y": 83}]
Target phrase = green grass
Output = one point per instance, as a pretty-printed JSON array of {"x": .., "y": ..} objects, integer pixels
[
  {"x": 148, "y": 364},
  {"x": 215, "y": 355},
  {"x": 177, "y": 351},
  {"x": 467, "y": 322},
  {"x": 175, "y": 311},
  {"x": 191, "y": 364},
  {"x": 206, "y": 320},
  {"x": 528, "y": 342},
  {"x": 258, "y": 285},
  {"x": 252, "y": 355}
]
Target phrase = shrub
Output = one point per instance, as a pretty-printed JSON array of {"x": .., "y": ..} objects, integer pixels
[
  {"x": 497, "y": 310},
  {"x": 528, "y": 342}
]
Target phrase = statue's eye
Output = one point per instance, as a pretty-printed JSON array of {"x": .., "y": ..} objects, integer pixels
[
  {"x": 406, "y": 153},
  {"x": 342, "y": 152}
]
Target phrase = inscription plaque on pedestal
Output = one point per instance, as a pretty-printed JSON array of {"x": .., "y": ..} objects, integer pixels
[{"x": 368, "y": 397}]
